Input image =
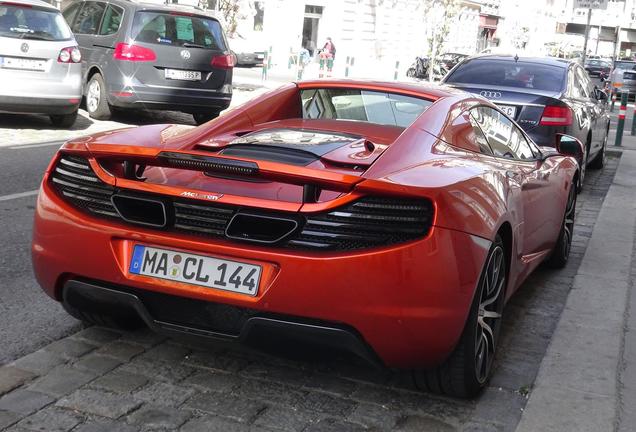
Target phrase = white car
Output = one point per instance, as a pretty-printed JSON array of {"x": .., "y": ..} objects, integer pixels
[
  {"x": 40, "y": 62},
  {"x": 246, "y": 51}
]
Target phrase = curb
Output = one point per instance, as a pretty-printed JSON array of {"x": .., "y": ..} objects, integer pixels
[{"x": 577, "y": 385}]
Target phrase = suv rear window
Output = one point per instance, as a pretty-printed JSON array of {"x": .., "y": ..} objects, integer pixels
[
  {"x": 30, "y": 22},
  {"x": 164, "y": 28},
  {"x": 362, "y": 105},
  {"x": 509, "y": 74},
  {"x": 629, "y": 76}
]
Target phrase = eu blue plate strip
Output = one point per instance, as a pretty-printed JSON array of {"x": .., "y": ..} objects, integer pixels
[{"x": 137, "y": 259}]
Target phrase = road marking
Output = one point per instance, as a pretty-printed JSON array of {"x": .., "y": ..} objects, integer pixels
[
  {"x": 28, "y": 146},
  {"x": 18, "y": 195}
]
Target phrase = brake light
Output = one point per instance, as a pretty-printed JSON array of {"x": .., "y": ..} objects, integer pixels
[
  {"x": 226, "y": 61},
  {"x": 124, "y": 51},
  {"x": 69, "y": 55},
  {"x": 26, "y": 6},
  {"x": 556, "y": 116}
]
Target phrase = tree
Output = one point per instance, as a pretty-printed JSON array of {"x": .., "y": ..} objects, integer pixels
[
  {"x": 230, "y": 11},
  {"x": 440, "y": 15}
]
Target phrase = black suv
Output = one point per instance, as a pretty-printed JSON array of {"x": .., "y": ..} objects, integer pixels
[{"x": 141, "y": 55}]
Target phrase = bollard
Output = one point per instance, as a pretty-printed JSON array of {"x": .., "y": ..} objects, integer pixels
[
  {"x": 347, "y": 67},
  {"x": 621, "y": 120},
  {"x": 264, "y": 70},
  {"x": 634, "y": 123},
  {"x": 397, "y": 68},
  {"x": 269, "y": 59}
]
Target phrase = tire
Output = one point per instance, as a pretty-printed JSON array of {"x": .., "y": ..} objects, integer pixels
[
  {"x": 599, "y": 159},
  {"x": 121, "y": 322},
  {"x": 96, "y": 99},
  {"x": 410, "y": 72},
  {"x": 467, "y": 370},
  {"x": 64, "y": 120},
  {"x": 200, "y": 118},
  {"x": 561, "y": 252}
]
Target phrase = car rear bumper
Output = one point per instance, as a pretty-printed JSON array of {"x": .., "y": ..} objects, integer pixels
[
  {"x": 407, "y": 302},
  {"x": 38, "y": 105}
]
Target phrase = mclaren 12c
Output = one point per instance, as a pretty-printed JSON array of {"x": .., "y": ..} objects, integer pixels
[{"x": 390, "y": 220}]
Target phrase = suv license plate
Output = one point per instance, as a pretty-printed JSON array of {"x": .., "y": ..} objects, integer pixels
[
  {"x": 176, "y": 74},
  {"x": 194, "y": 269},
  {"x": 510, "y": 111}
]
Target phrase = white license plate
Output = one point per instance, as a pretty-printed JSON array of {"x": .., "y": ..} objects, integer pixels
[
  {"x": 260, "y": 56},
  {"x": 176, "y": 74},
  {"x": 22, "y": 64},
  {"x": 510, "y": 111},
  {"x": 195, "y": 269}
]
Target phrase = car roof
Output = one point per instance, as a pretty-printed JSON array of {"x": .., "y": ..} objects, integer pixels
[
  {"x": 38, "y": 3},
  {"x": 173, "y": 7},
  {"x": 552, "y": 61},
  {"x": 424, "y": 90}
]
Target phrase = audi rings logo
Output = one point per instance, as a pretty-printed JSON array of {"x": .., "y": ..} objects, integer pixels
[
  {"x": 490, "y": 94},
  {"x": 24, "y": 47},
  {"x": 185, "y": 54}
]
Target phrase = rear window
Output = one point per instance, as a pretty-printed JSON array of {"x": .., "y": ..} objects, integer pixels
[
  {"x": 625, "y": 65},
  {"x": 509, "y": 74},
  {"x": 629, "y": 76},
  {"x": 32, "y": 23},
  {"x": 179, "y": 30},
  {"x": 362, "y": 105}
]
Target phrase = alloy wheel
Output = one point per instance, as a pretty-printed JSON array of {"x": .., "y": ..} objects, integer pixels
[
  {"x": 93, "y": 96},
  {"x": 568, "y": 224},
  {"x": 489, "y": 314}
]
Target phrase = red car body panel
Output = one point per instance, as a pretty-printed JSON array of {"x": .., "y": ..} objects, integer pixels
[{"x": 408, "y": 301}]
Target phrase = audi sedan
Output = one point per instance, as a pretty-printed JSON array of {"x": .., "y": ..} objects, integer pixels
[
  {"x": 391, "y": 220},
  {"x": 545, "y": 96},
  {"x": 40, "y": 66}
]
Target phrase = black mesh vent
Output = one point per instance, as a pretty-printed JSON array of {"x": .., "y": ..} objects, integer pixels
[{"x": 366, "y": 223}]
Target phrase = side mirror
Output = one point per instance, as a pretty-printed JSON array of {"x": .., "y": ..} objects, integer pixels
[
  {"x": 569, "y": 146},
  {"x": 600, "y": 94}
]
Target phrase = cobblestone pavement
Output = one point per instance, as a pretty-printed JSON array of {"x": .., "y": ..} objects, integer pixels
[
  {"x": 103, "y": 380},
  {"x": 20, "y": 129}
]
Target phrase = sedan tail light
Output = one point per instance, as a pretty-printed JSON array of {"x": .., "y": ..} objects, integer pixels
[
  {"x": 69, "y": 55},
  {"x": 226, "y": 61},
  {"x": 135, "y": 53},
  {"x": 556, "y": 116}
]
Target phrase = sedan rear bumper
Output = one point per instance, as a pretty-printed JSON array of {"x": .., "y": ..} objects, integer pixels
[{"x": 19, "y": 104}]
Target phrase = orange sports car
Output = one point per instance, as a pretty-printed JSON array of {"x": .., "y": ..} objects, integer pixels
[{"x": 390, "y": 220}]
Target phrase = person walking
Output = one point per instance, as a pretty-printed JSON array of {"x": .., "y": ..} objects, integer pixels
[{"x": 327, "y": 56}]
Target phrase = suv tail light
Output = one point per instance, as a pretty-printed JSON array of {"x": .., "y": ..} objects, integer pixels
[
  {"x": 69, "y": 55},
  {"x": 226, "y": 61},
  {"x": 124, "y": 51},
  {"x": 556, "y": 116}
]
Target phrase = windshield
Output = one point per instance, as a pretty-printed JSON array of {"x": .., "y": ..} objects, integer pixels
[
  {"x": 362, "y": 105},
  {"x": 164, "y": 28},
  {"x": 509, "y": 74},
  {"x": 26, "y": 22}
]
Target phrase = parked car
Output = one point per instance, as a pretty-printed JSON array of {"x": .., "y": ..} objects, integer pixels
[
  {"x": 420, "y": 69},
  {"x": 247, "y": 52},
  {"x": 450, "y": 60},
  {"x": 40, "y": 66},
  {"x": 391, "y": 220},
  {"x": 143, "y": 55},
  {"x": 599, "y": 68},
  {"x": 545, "y": 96}
]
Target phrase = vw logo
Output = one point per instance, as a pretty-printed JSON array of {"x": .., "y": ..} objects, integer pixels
[
  {"x": 490, "y": 94},
  {"x": 24, "y": 47},
  {"x": 185, "y": 54}
]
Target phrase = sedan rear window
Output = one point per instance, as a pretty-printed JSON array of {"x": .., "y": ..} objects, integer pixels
[
  {"x": 28, "y": 22},
  {"x": 362, "y": 105},
  {"x": 179, "y": 30},
  {"x": 509, "y": 74}
]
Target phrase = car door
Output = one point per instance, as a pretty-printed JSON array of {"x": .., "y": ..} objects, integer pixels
[
  {"x": 592, "y": 109},
  {"x": 528, "y": 182},
  {"x": 86, "y": 26}
]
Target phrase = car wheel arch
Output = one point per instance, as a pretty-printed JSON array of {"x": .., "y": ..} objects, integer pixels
[{"x": 94, "y": 69}]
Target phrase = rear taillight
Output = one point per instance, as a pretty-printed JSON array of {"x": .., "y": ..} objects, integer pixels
[
  {"x": 556, "y": 116},
  {"x": 124, "y": 51},
  {"x": 226, "y": 61},
  {"x": 69, "y": 55}
]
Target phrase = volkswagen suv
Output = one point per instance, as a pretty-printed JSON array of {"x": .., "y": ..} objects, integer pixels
[{"x": 153, "y": 56}]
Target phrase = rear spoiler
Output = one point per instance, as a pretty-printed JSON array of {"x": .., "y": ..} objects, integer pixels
[{"x": 123, "y": 166}]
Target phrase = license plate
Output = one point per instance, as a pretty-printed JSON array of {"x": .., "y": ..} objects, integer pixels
[
  {"x": 510, "y": 111},
  {"x": 176, "y": 74},
  {"x": 260, "y": 56},
  {"x": 22, "y": 64},
  {"x": 194, "y": 269}
]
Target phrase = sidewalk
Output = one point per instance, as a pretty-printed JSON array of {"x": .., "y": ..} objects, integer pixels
[{"x": 587, "y": 379}]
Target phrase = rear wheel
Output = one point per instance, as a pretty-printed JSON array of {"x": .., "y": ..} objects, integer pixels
[
  {"x": 96, "y": 100},
  {"x": 201, "y": 118},
  {"x": 561, "y": 251},
  {"x": 123, "y": 322},
  {"x": 467, "y": 370},
  {"x": 64, "y": 120},
  {"x": 599, "y": 159},
  {"x": 410, "y": 72}
]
